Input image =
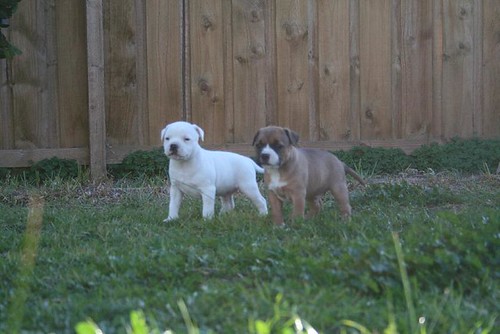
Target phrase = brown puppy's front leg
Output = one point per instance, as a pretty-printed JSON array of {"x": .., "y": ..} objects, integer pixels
[
  {"x": 299, "y": 205},
  {"x": 341, "y": 195},
  {"x": 314, "y": 206},
  {"x": 276, "y": 208}
]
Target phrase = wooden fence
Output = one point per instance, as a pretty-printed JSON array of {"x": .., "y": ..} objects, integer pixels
[{"x": 99, "y": 79}]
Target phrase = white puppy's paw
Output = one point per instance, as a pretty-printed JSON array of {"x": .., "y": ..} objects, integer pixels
[{"x": 169, "y": 219}]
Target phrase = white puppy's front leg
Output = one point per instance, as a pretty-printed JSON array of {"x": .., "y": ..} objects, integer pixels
[
  {"x": 208, "y": 197},
  {"x": 175, "y": 203}
]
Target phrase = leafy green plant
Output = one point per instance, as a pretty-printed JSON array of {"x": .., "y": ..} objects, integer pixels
[
  {"x": 283, "y": 321},
  {"x": 141, "y": 164},
  {"x": 4, "y": 173},
  {"x": 7, "y": 9},
  {"x": 376, "y": 159},
  {"x": 138, "y": 325},
  {"x": 464, "y": 155},
  {"x": 51, "y": 168}
]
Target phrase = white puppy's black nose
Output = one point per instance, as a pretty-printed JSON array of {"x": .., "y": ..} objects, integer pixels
[{"x": 174, "y": 148}]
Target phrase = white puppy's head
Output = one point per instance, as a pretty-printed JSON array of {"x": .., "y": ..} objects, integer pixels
[{"x": 180, "y": 140}]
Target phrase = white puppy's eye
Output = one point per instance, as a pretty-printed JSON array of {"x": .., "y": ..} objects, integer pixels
[
  {"x": 187, "y": 139},
  {"x": 167, "y": 138}
]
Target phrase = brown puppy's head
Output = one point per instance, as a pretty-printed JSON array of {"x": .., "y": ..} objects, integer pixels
[{"x": 273, "y": 145}]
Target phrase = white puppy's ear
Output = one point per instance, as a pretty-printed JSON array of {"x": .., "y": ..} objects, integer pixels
[
  {"x": 163, "y": 133},
  {"x": 200, "y": 131}
]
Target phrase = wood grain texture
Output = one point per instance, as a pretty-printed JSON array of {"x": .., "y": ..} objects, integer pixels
[
  {"x": 164, "y": 60},
  {"x": 35, "y": 108},
  {"x": 96, "y": 84},
  {"x": 354, "y": 70},
  {"x": 334, "y": 70},
  {"x": 375, "y": 68},
  {"x": 6, "y": 112},
  {"x": 491, "y": 69},
  {"x": 72, "y": 73},
  {"x": 437, "y": 70},
  {"x": 292, "y": 67},
  {"x": 122, "y": 121},
  {"x": 343, "y": 71},
  {"x": 458, "y": 69},
  {"x": 416, "y": 69},
  {"x": 207, "y": 68},
  {"x": 249, "y": 68}
]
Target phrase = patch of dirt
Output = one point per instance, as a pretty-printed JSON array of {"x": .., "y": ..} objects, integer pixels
[{"x": 113, "y": 192}]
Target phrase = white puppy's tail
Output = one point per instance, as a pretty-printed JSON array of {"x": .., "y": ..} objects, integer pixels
[{"x": 258, "y": 169}]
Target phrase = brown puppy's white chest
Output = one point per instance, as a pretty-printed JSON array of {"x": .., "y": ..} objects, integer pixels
[{"x": 275, "y": 182}]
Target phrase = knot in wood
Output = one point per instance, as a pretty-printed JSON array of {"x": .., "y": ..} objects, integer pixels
[
  {"x": 293, "y": 31},
  {"x": 257, "y": 51},
  {"x": 241, "y": 59},
  {"x": 206, "y": 22},
  {"x": 254, "y": 16},
  {"x": 369, "y": 114},
  {"x": 463, "y": 13},
  {"x": 204, "y": 86}
]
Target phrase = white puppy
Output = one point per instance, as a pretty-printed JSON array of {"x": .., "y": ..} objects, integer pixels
[{"x": 199, "y": 172}]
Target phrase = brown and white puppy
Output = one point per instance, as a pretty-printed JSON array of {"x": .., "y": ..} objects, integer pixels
[{"x": 300, "y": 174}]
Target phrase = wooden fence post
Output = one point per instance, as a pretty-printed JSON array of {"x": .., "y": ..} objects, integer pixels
[{"x": 97, "y": 115}]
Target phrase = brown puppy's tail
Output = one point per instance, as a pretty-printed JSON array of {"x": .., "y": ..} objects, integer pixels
[{"x": 355, "y": 175}]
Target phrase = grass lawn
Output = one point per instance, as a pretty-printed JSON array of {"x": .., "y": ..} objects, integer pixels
[{"x": 72, "y": 251}]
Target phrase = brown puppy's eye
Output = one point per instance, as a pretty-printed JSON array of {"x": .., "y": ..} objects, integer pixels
[
  {"x": 259, "y": 145},
  {"x": 277, "y": 146}
]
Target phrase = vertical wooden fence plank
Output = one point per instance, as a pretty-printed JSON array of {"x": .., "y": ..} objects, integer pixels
[
  {"x": 72, "y": 73},
  {"x": 271, "y": 64},
  {"x": 334, "y": 70},
  {"x": 249, "y": 68},
  {"x": 97, "y": 112},
  {"x": 313, "y": 69},
  {"x": 292, "y": 52},
  {"x": 186, "y": 59},
  {"x": 141, "y": 72},
  {"x": 229, "y": 105},
  {"x": 207, "y": 72},
  {"x": 6, "y": 115},
  {"x": 164, "y": 70},
  {"x": 396, "y": 71},
  {"x": 477, "y": 54},
  {"x": 34, "y": 76},
  {"x": 121, "y": 73},
  {"x": 375, "y": 62},
  {"x": 354, "y": 69},
  {"x": 416, "y": 67},
  {"x": 49, "y": 69},
  {"x": 491, "y": 68},
  {"x": 458, "y": 66},
  {"x": 437, "y": 71}
]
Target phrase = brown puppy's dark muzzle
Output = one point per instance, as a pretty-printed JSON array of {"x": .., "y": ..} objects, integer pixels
[{"x": 264, "y": 158}]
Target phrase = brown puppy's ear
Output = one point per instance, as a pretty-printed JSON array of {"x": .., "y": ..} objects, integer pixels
[
  {"x": 255, "y": 138},
  {"x": 292, "y": 136}
]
